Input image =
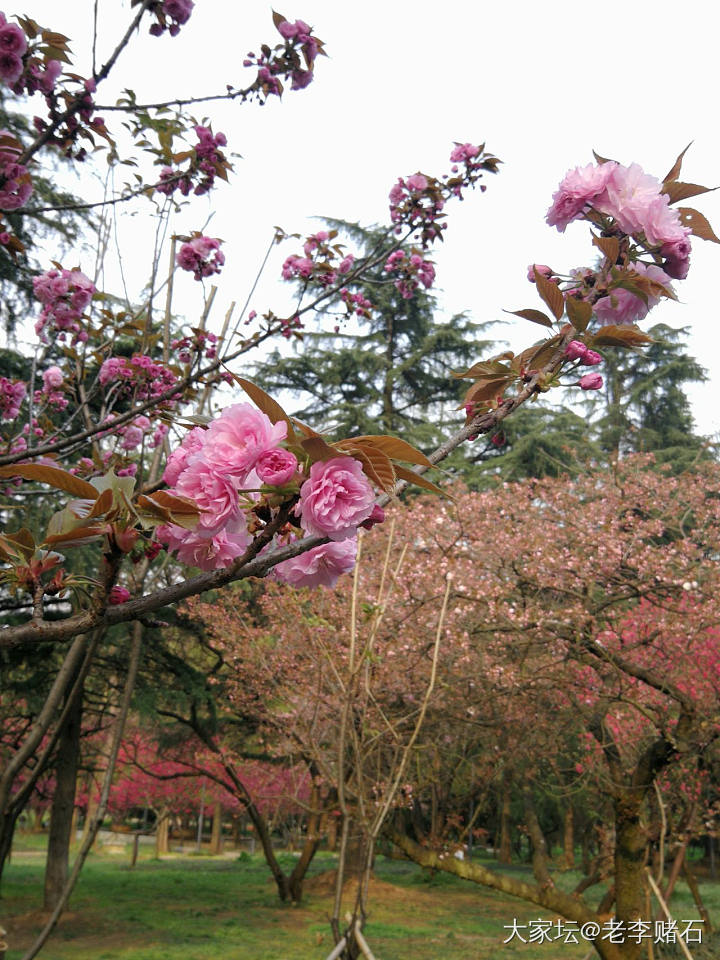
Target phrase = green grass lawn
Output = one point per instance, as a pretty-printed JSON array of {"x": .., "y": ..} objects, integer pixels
[{"x": 202, "y": 908}]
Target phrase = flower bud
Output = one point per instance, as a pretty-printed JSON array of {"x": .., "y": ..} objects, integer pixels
[{"x": 591, "y": 381}]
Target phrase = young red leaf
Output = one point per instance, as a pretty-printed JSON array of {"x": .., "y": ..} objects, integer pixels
[
  {"x": 550, "y": 292},
  {"x": 536, "y": 316},
  {"x": 677, "y": 166},
  {"x": 53, "y": 476},
  {"x": 698, "y": 224}
]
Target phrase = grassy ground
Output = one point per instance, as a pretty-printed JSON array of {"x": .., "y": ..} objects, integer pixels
[{"x": 202, "y": 908}]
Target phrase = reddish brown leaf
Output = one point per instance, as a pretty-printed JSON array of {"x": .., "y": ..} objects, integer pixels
[
  {"x": 536, "y": 316},
  {"x": 617, "y": 336},
  {"x": 599, "y": 159},
  {"x": 79, "y": 536},
  {"x": 319, "y": 450},
  {"x": 485, "y": 390},
  {"x": 376, "y": 465},
  {"x": 610, "y": 246},
  {"x": 403, "y": 473},
  {"x": 698, "y": 224},
  {"x": 395, "y": 448},
  {"x": 53, "y": 476},
  {"x": 683, "y": 191},
  {"x": 677, "y": 166},
  {"x": 550, "y": 292},
  {"x": 266, "y": 403},
  {"x": 579, "y": 313}
]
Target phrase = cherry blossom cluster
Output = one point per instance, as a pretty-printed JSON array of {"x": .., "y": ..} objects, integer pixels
[
  {"x": 580, "y": 352},
  {"x": 24, "y": 66},
  {"x": 356, "y": 303},
  {"x": 15, "y": 183},
  {"x": 12, "y": 394},
  {"x": 138, "y": 375},
  {"x": 201, "y": 256},
  {"x": 70, "y": 113},
  {"x": 205, "y": 160},
  {"x": 201, "y": 343},
  {"x": 53, "y": 381},
  {"x": 626, "y": 203},
  {"x": 413, "y": 270},
  {"x": 418, "y": 201},
  {"x": 289, "y": 326},
  {"x": 170, "y": 15},
  {"x": 634, "y": 202},
  {"x": 293, "y": 60},
  {"x": 13, "y": 46},
  {"x": 239, "y": 466},
  {"x": 65, "y": 295}
]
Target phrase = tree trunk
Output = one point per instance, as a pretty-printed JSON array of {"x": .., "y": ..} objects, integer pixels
[
  {"x": 630, "y": 849},
  {"x": 63, "y": 803},
  {"x": 568, "y": 839},
  {"x": 162, "y": 835},
  {"x": 216, "y": 836},
  {"x": 504, "y": 853},
  {"x": 332, "y": 829}
]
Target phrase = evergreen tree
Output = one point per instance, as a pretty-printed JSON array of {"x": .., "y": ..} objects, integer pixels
[
  {"x": 388, "y": 373},
  {"x": 643, "y": 406},
  {"x": 537, "y": 441},
  {"x": 63, "y": 224}
]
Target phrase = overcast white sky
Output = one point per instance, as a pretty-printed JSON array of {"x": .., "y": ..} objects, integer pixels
[{"x": 541, "y": 84}]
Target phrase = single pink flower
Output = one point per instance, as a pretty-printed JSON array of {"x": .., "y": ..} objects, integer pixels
[
  {"x": 276, "y": 467},
  {"x": 192, "y": 444},
  {"x": 207, "y": 553},
  {"x": 214, "y": 491},
  {"x": 52, "y": 379},
  {"x": 576, "y": 192},
  {"x": 319, "y": 567},
  {"x": 237, "y": 438},
  {"x": 335, "y": 499}
]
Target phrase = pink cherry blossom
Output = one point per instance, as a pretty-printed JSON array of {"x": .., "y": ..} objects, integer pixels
[
  {"x": 276, "y": 467},
  {"x": 237, "y": 438},
  {"x": 214, "y": 492},
  {"x": 319, "y": 567},
  {"x": 591, "y": 381},
  {"x": 623, "y": 307},
  {"x": 207, "y": 553},
  {"x": 12, "y": 395},
  {"x": 575, "y": 350},
  {"x": 335, "y": 499},
  {"x": 577, "y": 191},
  {"x": 52, "y": 379},
  {"x": 12, "y": 40}
]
